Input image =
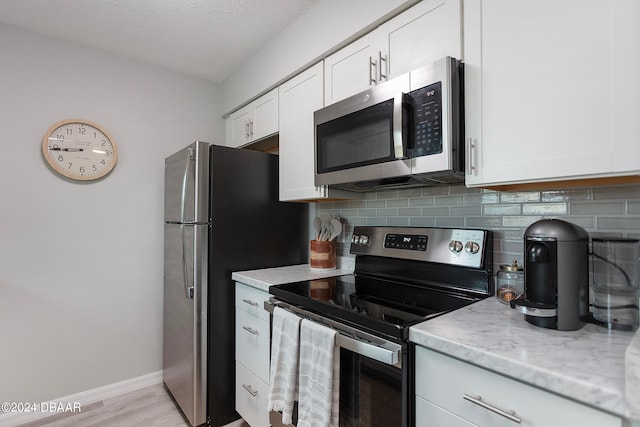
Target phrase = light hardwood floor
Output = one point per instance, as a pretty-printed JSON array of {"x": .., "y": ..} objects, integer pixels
[{"x": 150, "y": 406}]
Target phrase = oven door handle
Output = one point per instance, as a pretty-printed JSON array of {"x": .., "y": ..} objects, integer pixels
[{"x": 349, "y": 338}]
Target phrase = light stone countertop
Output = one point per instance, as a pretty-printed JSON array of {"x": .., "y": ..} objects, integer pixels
[
  {"x": 632, "y": 379},
  {"x": 266, "y": 277},
  {"x": 587, "y": 365}
]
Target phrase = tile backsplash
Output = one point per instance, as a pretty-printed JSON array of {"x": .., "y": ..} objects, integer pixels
[{"x": 602, "y": 211}]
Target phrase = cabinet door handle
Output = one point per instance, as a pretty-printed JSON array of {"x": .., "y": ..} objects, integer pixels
[
  {"x": 250, "y": 330},
  {"x": 510, "y": 414},
  {"x": 383, "y": 71},
  {"x": 472, "y": 150},
  {"x": 372, "y": 72},
  {"x": 246, "y": 129},
  {"x": 248, "y": 301},
  {"x": 251, "y": 128},
  {"x": 251, "y": 391}
]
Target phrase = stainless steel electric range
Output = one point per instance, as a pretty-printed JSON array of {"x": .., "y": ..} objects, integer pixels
[{"x": 403, "y": 276}]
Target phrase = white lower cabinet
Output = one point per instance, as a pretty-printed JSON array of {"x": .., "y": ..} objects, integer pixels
[
  {"x": 252, "y": 355},
  {"x": 428, "y": 414},
  {"x": 450, "y": 392},
  {"x": 251, "y": 397}
]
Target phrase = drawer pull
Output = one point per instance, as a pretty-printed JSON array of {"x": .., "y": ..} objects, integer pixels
[
  {"x": 250, "y": 330},
  {"x": 251, "y": 391},
  {"x": 248, "y": 301},
  {"x": 510, "y": 414}
]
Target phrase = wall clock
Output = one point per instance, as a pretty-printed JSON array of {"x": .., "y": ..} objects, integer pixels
[{"x": 79, "y": 149}]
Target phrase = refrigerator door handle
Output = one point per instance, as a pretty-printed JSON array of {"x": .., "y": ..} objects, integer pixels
[
  {"x": 188, "y": 290},
  {"x": 185, "y": 182}
]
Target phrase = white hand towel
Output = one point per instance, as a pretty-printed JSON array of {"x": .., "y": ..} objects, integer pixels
[
  {"x": 319, "y": 376},
  {"x": 284, "y": 363}
]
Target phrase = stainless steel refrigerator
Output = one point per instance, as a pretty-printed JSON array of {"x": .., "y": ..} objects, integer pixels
[{"x": 222, "y": 214}]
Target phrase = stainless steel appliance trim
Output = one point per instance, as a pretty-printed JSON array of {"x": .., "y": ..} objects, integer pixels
[
  {"x": 509, "y": 414},
  {"x": 352, "y": 339}
]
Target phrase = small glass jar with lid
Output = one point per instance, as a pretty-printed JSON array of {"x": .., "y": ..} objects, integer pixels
[{"x": 509, "y": 282}]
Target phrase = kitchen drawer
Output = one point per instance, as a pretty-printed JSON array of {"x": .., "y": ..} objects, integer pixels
[
  {"x": 252, "y": 343},
  {"x": 251, "y": 300},
  {"x": 444, "y": 381},
  {"x": 251, "y": 397},
  {"x": 430, "y": 415}
]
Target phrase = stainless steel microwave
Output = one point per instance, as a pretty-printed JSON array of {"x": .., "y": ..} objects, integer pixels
[{"x": 407, "y": 131}]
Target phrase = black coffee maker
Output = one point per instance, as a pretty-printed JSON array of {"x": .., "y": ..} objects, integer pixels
[{"x": 556, "y": 275}]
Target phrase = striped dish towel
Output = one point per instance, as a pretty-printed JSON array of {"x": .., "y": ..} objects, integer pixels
[
  {"x": 284, "y": 363},
  {"x": 319, "y": 376}
]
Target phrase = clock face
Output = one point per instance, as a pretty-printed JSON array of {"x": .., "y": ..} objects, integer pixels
[{"x": 79, "y": 149}]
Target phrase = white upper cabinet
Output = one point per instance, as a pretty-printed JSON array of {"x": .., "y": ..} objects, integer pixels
[
  {"x": 428, "y": 31},
  {"x": 552, "y": 90},
  {"x": 355, "y": 67},
  {"x": 253, "y": 122},
  {"x": 299, "y": 98},
  {"x": 424, "y": 33}
]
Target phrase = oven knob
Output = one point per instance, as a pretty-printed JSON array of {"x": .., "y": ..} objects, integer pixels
[
  {"x": 355, "y": 239},
  {"x": 364, "y": 240},
  {"x": 455, "y": 246},
  {"x": 472, "y": 247}
]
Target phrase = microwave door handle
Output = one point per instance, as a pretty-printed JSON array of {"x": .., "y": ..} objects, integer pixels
[{"x": 398, "y": 141}]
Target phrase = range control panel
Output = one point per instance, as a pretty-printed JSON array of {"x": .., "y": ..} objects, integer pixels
[
  {"x": 462, "y": 247},
  {"x": 410, "y": 242}
]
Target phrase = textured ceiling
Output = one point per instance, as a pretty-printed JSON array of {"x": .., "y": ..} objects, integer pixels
[{"x": 203, "y": 38}]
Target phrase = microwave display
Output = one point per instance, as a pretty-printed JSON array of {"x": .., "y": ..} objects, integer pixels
[{"x": 427, "y": 120}]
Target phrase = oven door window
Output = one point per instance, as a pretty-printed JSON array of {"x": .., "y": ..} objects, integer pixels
[
  {"x": 371, "y": 392},
  {"x": 358, "y": 139}
]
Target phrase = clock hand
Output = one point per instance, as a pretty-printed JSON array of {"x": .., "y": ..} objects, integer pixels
[{"x": 65, "y": 149}]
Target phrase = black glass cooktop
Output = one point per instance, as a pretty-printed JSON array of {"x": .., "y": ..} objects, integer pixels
[{"x": 377, "y": 305}]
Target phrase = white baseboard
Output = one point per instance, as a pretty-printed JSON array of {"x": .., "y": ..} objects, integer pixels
[{"x": 10, "y": 419}]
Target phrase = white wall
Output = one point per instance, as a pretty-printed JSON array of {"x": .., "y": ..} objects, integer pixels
[
  {"x": 81, "y": 264},
  {"x": 322, "y": 28}
]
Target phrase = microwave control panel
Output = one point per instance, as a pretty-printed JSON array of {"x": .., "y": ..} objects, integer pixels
[{"x": 427, "y": 120}]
